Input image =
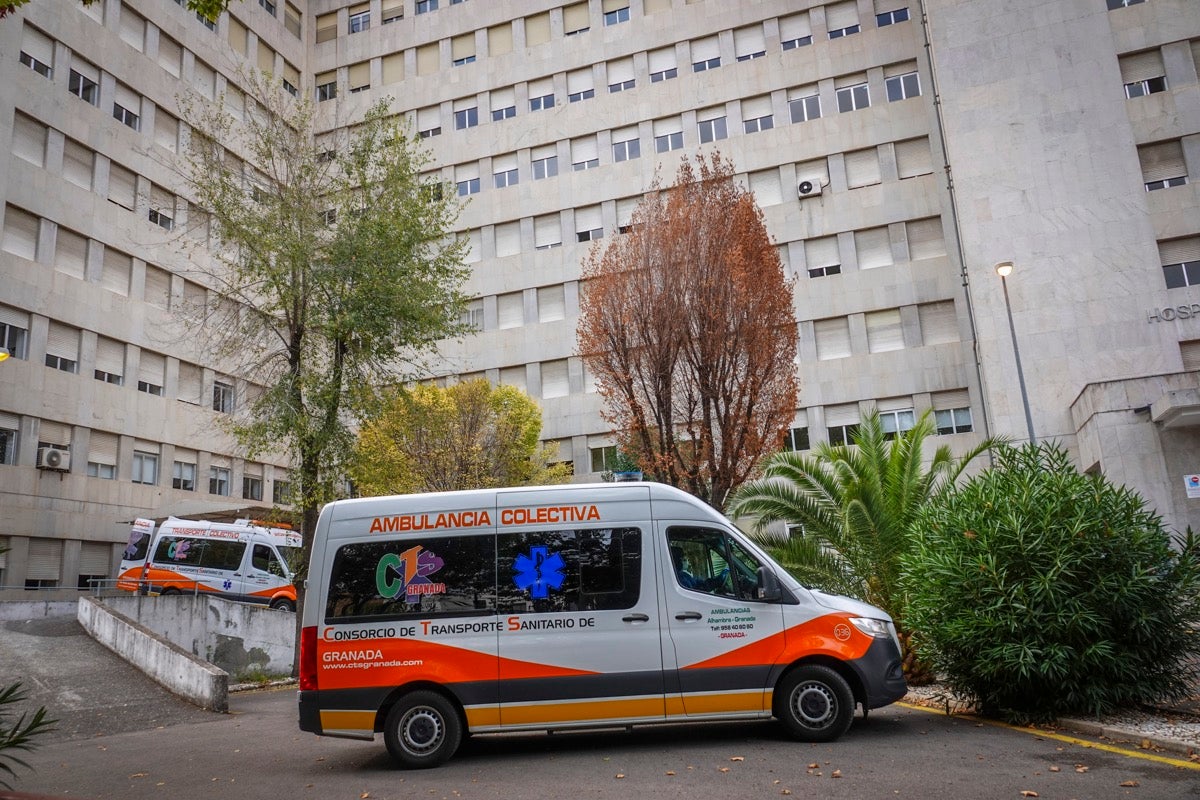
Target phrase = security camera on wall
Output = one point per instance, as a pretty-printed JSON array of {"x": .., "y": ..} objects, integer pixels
[{"x": 809, "y": 187}]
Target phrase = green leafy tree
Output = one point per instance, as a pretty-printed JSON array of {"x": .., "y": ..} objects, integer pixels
[
  {"x": 471, "y": 435},
  {"x": 854, "y": 507},
  {"x": 1040, "y": 591},
  {"x": 331, "y": 266}
]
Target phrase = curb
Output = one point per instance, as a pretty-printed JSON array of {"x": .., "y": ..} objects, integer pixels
[{"x": 1127, "y": 736}]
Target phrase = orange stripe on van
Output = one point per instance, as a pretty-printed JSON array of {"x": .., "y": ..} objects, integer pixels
[
  {"x": 817, "y": 636},
  {"x": 348, "y": 720},
  {"x": 583, "y": 711}
]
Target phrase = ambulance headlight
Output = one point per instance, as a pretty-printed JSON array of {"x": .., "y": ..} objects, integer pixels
[{"x": 873, "y": 627}]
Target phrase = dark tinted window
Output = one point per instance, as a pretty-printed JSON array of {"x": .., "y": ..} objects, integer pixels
[
  {"x": 434, "y": 576},
  {"x": 212, "y": 553},
  {"x": 572, "y": 570},
  {"x": 703, "y": 557}
]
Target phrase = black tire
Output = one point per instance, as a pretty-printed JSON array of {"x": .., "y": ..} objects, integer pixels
[
  {"x": 422, "y": 730},
  {"x": 814, "y": 703},
  {"x": 283, "y": 604},
  {"x": 169, "y": 591}
]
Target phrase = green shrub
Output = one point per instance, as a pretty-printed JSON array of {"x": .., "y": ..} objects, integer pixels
[
  {"x": 1040, "y": 592},
  {"x": 18, "y": 734}
]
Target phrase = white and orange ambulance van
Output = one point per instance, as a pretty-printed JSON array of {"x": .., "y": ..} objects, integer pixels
[
  {"x": 566, "y": 607},
  {"x": 240, "y": 561}
]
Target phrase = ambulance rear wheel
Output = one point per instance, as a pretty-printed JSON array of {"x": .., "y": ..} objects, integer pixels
[
  {"x": 814, "y": 703},
  {"x": 283, "y": 604},
  {"x": 422, "y": 730}
]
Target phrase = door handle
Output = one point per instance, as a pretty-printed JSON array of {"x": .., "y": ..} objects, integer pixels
[
  {"x": 636, "y": 618},
  {"x": 685, "y": 616}
]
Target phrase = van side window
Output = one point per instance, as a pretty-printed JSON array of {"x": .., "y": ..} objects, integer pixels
[
  {"x": 708, "y": 560},
  {"x": 402, "y": 578},
  {"x": 264, "y": 559},
  {"x": 214, "y": 554},
  {"x": 570, "y": 570}
]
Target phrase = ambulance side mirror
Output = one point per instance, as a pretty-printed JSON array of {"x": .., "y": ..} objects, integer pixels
[{"x": 769, "y": 589}]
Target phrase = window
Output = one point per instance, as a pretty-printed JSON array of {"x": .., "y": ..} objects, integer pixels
[
  {"x": 891, "y": 17},
  {"x": 472, "y": 315},
  {"x": 393, "y": 11},
  {"x": 462, "y": 49},
  {"x": 358, "y": 77},
  {"x": 425, "y": 6},
  {"x": 161, "y": 220},
  {"x": 803, "y": 109},
  {"x": 795, "y": 31},
  {"x": 360, "y": 22},
  {"x": 252, "y": 488},
  {"x": 1115, "y": 4},
  {"x": 902, "y": 87},
  {"x": 547, "y": 233},
  {"x": 583, "y": 94},
  {"x": 706, "y": 64},
  {"x": 37, "y": 50},
  {"x": 268, "y": 5},
  {"x": 183, "y": 476},
  {"x": 799, "y": 41},
  {"x": 1145, "y": 87},
  {"x": 468, "y": 187},
  {"x": 107, "y": 472},
  {"x": 853, "y": 98},
  {"x": 291, "y": 19},
  {"x": 849, "y": 30},
  {"x": 627, "y": 150},
  {"x": 281, "y": 492},
  {"x": 668, "y": 136},
  {"x": 603, "y": 458},
  {"x": 709, "y": 561},
  {"x": 546, "y": 167},
  {"x": 504, "y": 112},
  {"x": 8, "y": 440},
  {"x": 843, "y": 434},
  {"x": 428, "y": 122},
  {"x": 505, "y": 177},
  {"x": 14, "y": 332},
  {"x": 108, "y": 377},
  {"x": 62, "y": 363},
  {"x": 953, "y": 420},
  {"x": 1163, "y": 165},
  {"x": 326, "y": 90},
  {"x": 584, "y": 154},
  {"x": 590, "y": 235},
  {"x": 84, "y": 88},
  {"x": 896, "y": 422},
  {"x": 575, "y": 19},
  {"x": 222, "y": 397},
  {"x": 218, "y": 481},
  {"x": 763, "y": 123},
  {"x": 466, "y": 118},
  {"x": 541, "y": 102},
  {"x": 1143, "y": 73},
  {"x": 145, "y": 468},
  {"x": 712, "y": 130},
  {"x": 150, "y": 388},
  {"x": 621, "y": 86},
  {"x": 1181, "y": 261},
  {"x": 822, "y": 257},
  {"x": 749, "y": 43},
  {"x": 616, "y": 16},
  {"x": 664, "y": 74},
  {"x": 797, "y": 439}
]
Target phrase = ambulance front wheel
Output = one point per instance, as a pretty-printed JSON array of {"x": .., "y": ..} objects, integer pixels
[
  {"x": 814, "y": 703},
  {"x": 283, "y": 604},
  {"x": 422, "y": 730}
]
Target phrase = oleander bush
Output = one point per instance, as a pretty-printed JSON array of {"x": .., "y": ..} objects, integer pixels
[
  {"x": 1039, "y": 592},
  {"x": 18, "y": 734}
]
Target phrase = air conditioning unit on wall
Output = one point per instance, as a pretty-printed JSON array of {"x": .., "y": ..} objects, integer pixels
[
  {"x": 53, "y": 458},
  {"x": 808, "y": 188}
]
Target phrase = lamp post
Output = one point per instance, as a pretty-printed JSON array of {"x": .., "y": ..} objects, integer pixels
[{"x": 1004, "y": 269}]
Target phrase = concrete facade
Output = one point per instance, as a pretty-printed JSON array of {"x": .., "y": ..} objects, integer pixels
[{"x": 945, "y": 136}]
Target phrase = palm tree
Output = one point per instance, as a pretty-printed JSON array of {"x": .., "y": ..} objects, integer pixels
[{"x": 853, "y": 506}]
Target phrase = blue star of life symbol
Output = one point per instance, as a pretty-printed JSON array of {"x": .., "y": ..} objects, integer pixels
[
  {"x": 227, "y": 585},
  {"x": 539, "y": 572}
]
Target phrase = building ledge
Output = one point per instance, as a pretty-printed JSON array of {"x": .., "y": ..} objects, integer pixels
[{"x": 1177, "y": 409}]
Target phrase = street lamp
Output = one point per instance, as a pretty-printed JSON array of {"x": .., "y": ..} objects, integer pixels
[{"x": 1004, "y": 269}]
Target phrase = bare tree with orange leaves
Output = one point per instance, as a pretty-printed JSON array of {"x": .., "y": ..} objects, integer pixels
[{"x": 688, "y": 329}]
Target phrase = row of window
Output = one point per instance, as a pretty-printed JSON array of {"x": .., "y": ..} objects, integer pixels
[
  {"x": 617, "y": 75},
  {"x": 840, "y": 19},
  {"x": 45, "y": 563},
  {"x": 103, "y": 459},
  {"x": 1147, "y": 72}
]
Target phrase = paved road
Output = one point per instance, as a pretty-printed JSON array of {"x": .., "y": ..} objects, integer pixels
[{"x": 147, "y": 744}]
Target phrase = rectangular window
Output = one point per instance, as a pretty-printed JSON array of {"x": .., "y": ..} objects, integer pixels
[
  {"x": 616, "y": 16},
  {"x": 428, "y": 122},
  {"x": 84, "y": 88},
  {"x": 8, "y": 442},
  {"x": 896, "y": 422},
  {"x": 602, "y": 458},
  {"x": 468, "y": 186},
  {"x": 268, "y": 5},
  {"x": 62, "y": 348},
  {"x": 849, "y": 30},
  {"x": 252, "y": 488},
  {"x": 358, "y": 77},
  {"x": 822, "y": 256},
  {"x": 546, "y": 167},
  {"x": 1180, "y": 261},
  {"x": 953, "y": 420},
  {"x": 222, "y": 398},
  {"x": 664, "y": 74},
  {"x": 218, "y": 481},
  {"x": 862, "y": 168},
  {"x": 326, "y": 90},
  {"x": 584, "y": 153},
  {"x": 281, "y": 492},
  {"x": 712, "y": 130},
  {"x": 40, "y": 67},
  {"x": 1115, "y": 4},
  {"x": 803, "y": 109},
  {"x": 832, "y": 338},
  {"x": 797, "y": 439},
  {"x": 749, "y": 43},
  {"x": 795, "y": 31},
  {"x": 360, "y": 21},
  {"x": 1163, "y": 165},
  {"x": 668, "y": 136},
  {"x": 884, "y": 331},
  {"x": 891, "y": 17},
  {"x": 505, "y": 178},
  {"x": 13, "y": 335},
  {"x": 462, "y": 49},
  {"x": 547, "y": 233},
  {"x": 757, "y": 124},
  {"x": 107, "y": 472},
  {"x": 627, "y": 150},
  {"x": 291, "y": 19},
  {"x": 902, "y": 87},
  {"x": 541, "y": 102},
  {"x": 425, "y": 6},
  {"x": 853, "y": 98},
  {"x": 145, "y": 468},
  {"x": 575, "y": 19},
  {"x": 183, "y": 476},
  {"x": 843, "y": 434}
]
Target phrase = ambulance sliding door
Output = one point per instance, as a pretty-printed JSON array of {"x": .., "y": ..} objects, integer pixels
[{"x": 580, "y": 638}]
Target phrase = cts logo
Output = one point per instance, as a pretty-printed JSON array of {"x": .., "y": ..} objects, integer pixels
[{"x": 408, "y": 573}]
